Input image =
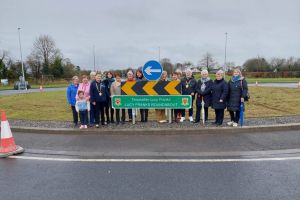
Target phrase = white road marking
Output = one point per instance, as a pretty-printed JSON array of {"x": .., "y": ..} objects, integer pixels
[{"x": 145, "y": 160}]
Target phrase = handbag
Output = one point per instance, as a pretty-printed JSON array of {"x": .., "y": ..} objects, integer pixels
[{"x": 247, "y": 97}]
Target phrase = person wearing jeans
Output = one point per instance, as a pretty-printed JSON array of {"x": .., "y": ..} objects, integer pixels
[{"x": 82, "y": 107}]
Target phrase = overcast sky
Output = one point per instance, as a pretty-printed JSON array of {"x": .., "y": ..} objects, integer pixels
[{"x": 128, "y": 32}]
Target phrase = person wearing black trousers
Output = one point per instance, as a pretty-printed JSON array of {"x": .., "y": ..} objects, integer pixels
[
  {"x": 99, "y": 94},
  {"x": 140, "y": 77},
  {"x": 108, "y": 107},
  {"x": 219, "y": 97},
  {"x": 188, "y": 88},
  {"x": 204, "y": 91},
  {"x": 238, "y": 90}
]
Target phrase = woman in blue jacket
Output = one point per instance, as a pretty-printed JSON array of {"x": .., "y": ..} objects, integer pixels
[
  {"x": 219, "y": 96},
  {"x": 99, "y": 94},
  {"x": 71, "y": 96}
]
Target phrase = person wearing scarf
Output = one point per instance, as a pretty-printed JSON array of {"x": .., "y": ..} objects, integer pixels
[
  {"x": 203, "y": 90},
  {"x": 238, "y": 88}
]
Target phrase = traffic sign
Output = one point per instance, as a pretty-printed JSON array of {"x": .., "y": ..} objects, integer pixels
[
  {"x": 151, "y": 88},
  {"x": 152, "y": 70},
  {"x": 152, "y": 102}
]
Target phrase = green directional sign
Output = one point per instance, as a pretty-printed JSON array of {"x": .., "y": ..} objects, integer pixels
[{"x": 152, "y": 102}]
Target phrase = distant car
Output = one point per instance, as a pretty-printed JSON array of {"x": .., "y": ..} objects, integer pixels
[{"x": 21, "y": 85}]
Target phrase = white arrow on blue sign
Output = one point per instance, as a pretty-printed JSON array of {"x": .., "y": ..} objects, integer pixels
[{"x": 152, "y": 70}]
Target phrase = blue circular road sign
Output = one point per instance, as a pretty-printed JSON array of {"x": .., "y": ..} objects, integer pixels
[{"x": 152, "y": 70}]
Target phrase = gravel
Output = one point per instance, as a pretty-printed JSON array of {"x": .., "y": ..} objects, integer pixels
[{"x": 154, "y": 124}]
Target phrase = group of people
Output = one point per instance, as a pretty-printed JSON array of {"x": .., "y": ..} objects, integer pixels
[{"x": 91, "y": 99}]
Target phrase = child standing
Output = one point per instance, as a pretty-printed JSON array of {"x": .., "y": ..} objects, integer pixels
[{"x": 82, "y": 107}]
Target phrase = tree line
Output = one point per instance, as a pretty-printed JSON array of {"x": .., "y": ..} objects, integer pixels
[{"x": 46, "y": 61}]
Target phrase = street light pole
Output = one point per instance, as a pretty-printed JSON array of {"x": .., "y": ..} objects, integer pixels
[
  {"x": 225, "y": 57},
  {"x": 94, "y": 58},
  {"x": 21, "y": 57},
  {"x": 158, "y": 54}
]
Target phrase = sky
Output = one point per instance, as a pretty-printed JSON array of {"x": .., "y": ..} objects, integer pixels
[{"x": 128, "y": 33}]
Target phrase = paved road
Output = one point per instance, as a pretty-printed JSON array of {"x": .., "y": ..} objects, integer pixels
[
  {"x": 11, "y": 92},
  {"x": 207, "y": 166},
  {"x": 99, "y": 145}
]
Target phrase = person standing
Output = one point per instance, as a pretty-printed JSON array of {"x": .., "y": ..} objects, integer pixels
[
  {"x": 219, "y": 97},
  {"x": 161, "y": 113},
  {"x": 71, "y": 96},
  {"x": 115, "y": 89},
  {"x": 92, "y": 110},
  {"x": 130, "y": 78},
  {"x": 144, "y": 112},
  {"x": 99, "y": 95},
  {"x": 82, "y": 107},
  {"x": 204, "y": 92},
  {"x": 238, "y": 90},
  {"x": 188, "y": 88},
  {"x": 108, "y": 81},
  {"x": 176, "y": 112}
]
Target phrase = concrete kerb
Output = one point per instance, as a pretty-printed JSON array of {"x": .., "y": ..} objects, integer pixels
[{"x": 161, "y": 131}]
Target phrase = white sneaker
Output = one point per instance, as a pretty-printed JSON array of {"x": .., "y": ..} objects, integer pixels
[
  {"x": 229, "y": 123},
  {"x": 235, "y": 124},
  {"x": 182, "y": 119},
  {"x": 81, "y": 127},
  {"x": 191, "y": 119},
  {"x": 85, "y": 126}
]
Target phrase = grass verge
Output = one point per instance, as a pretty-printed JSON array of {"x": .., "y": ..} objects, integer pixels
[{"x": 264, "y": 102}]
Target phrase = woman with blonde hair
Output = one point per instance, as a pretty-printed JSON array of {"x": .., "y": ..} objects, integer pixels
[
  {"x": 219, "y": 97},
  {"x": 160, "y": 113},
  {"x": 238, "y": 91}
]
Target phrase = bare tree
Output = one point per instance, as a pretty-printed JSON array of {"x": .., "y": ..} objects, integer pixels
[
  {"x": 277, "y": 64},
  {"x": 207, "y": 62},
  {"x": 44, "y": 51}
]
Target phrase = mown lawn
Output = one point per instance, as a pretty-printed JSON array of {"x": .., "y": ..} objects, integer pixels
[{"x": 264, "y": 102}]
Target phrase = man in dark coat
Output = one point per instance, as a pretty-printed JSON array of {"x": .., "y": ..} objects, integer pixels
[
  {"x": 219, "y": 97},
  {"x": 99, "y": 94},
  {"x": 188, "y": 88},
  {"x": 204, "y": 91},
  {"x": 238, "y": 90}
]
